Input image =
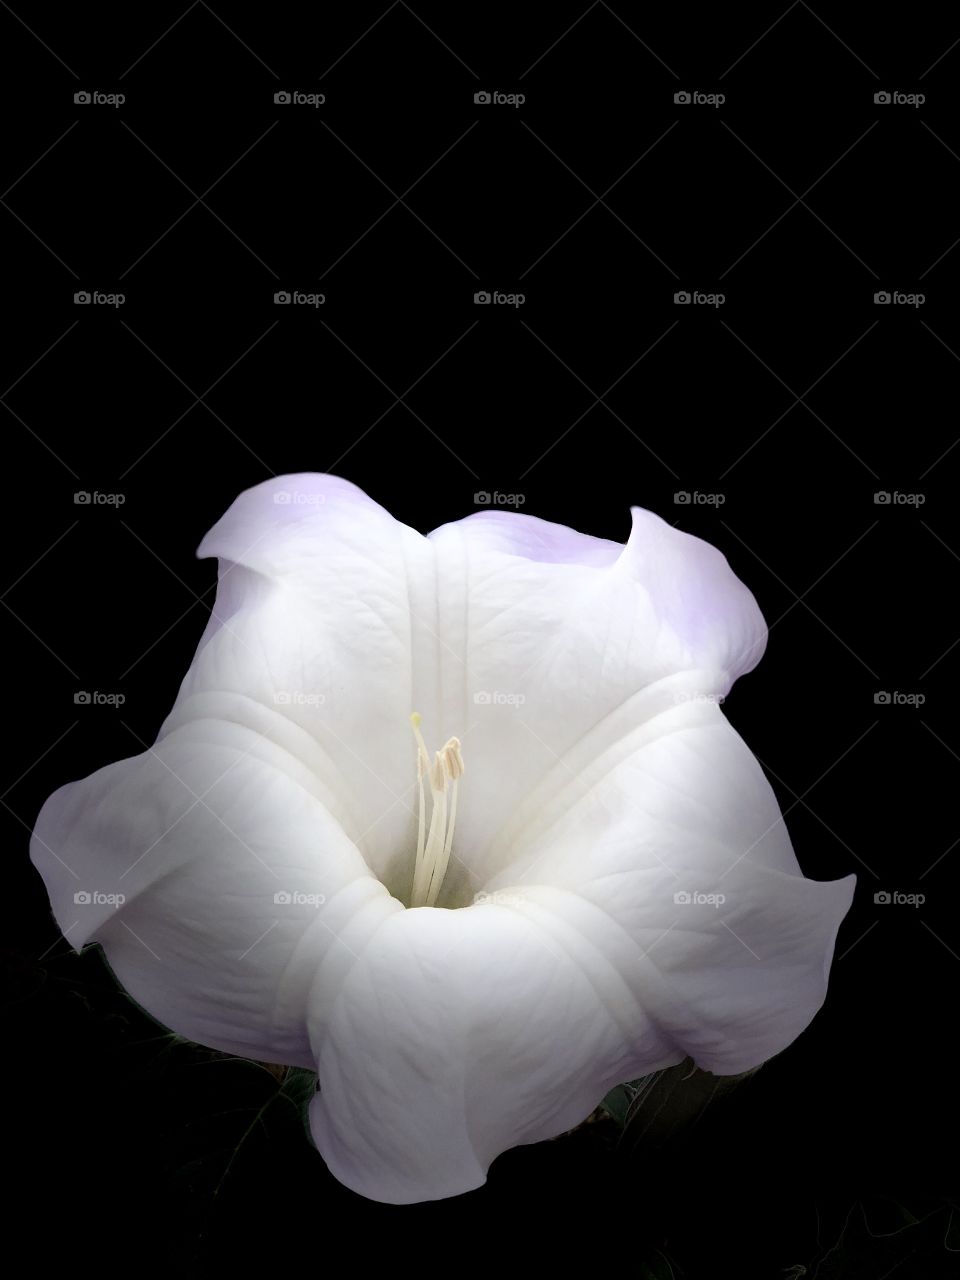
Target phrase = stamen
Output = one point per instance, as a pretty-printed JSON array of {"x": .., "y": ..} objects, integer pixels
[{"x": 435, "y": 845}]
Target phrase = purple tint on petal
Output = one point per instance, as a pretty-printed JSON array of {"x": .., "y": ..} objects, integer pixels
[
  {"x": 275, "y": 505},
  {"x": 541, "y": 540},
  {"x": 696, "y": 591}
]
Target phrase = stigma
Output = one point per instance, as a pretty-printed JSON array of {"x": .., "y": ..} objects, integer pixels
[{"x": 434, "y": 842}]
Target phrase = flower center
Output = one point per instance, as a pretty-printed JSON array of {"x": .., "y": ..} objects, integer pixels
[{"x": 434, "y": 844}]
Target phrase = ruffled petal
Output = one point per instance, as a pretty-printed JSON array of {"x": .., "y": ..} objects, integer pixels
[
  {"x": 459, "y": 1034},
  {"x": 547, "y": 634},
  {"x": 672, "y": 836},
  {"x": 323, "y": 617},
  {"x": 652, "y": 909},
  {"x": 216, "y": 880}
]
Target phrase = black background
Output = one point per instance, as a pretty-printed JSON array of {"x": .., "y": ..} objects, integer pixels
[{"x": 797, "y": 400}]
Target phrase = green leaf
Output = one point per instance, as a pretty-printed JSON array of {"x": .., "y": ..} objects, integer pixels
[
  {"x": 886, "y": 1217},
  {"x": 668, "y": 1102},
  {"x": 884, "y": 1234},
  {"x": 300, "y": 1086},
  {"x": 657, "y": 1267},
  {"x": 617, "y": 1102}
]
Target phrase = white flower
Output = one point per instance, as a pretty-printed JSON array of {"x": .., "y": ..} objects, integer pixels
[{"x": 616, "y": 888}]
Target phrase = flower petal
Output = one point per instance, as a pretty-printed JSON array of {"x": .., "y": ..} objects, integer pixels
[
  {"x": 459, "y": 1034},
  {"x": 215, "y": 879},
  {"x": 546, "y": 635},
  {"x": 316, "y": 619},
  {"x": 654, "y": 910},
  {"x": 345, "y": 621},
  {"x": 674, "y": 835}
]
